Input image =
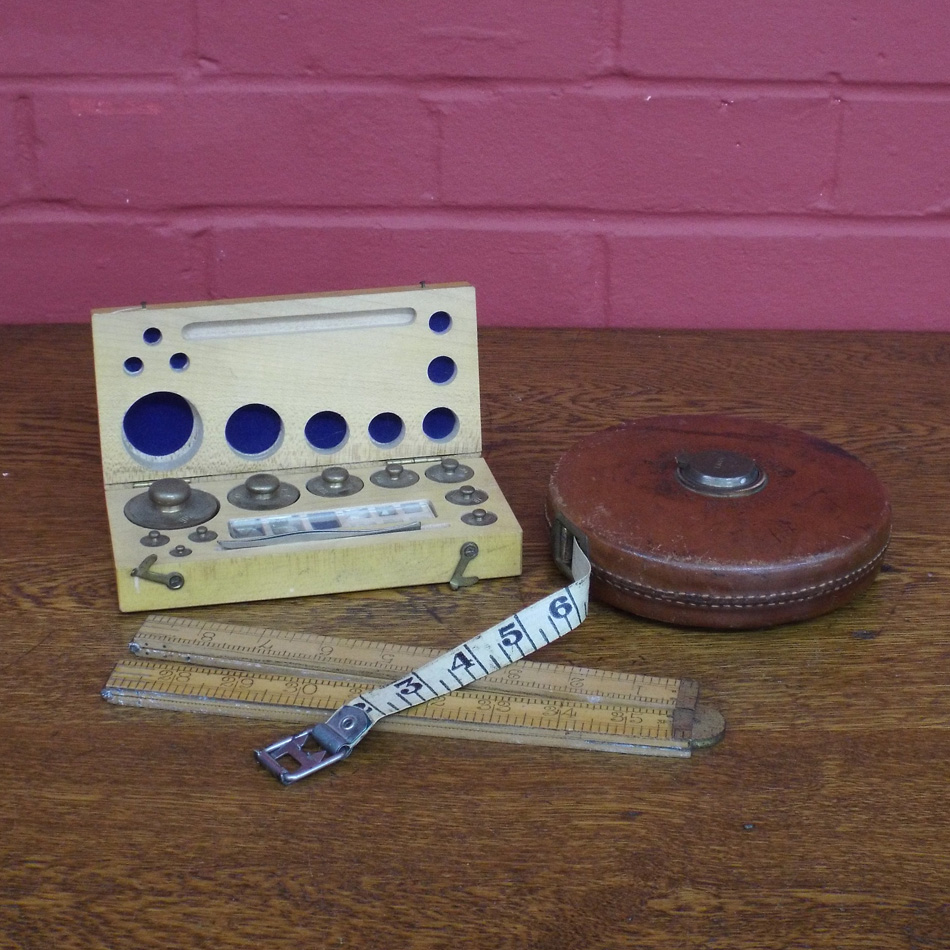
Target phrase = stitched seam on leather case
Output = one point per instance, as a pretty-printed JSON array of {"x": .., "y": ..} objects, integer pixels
[{"x": 741, "y": 601}]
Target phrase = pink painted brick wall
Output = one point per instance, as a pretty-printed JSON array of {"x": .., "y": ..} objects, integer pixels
[{"x": 651, "y": 163}]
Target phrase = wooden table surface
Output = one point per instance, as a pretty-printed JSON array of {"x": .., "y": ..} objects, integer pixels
[{"x": 820, "y": 821}]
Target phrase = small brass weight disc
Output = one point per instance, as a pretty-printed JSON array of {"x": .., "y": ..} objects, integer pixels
[
  {"x": 449, "y": 470},
  {"x": 263, "y": 492},
  {"x": 334, "y": 482},
  {"x": 394, "y": 475},
  {"x": 466, "y": 495},
  {"x": 171, "y": 503}
]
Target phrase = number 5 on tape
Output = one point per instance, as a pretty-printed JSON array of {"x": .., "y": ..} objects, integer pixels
[{"x": 511, "y": 640}]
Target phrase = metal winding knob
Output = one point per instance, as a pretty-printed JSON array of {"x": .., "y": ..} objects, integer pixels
[{"x": 720, "y": 473}]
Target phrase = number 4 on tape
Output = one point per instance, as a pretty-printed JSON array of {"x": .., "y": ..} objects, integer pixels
[{"x": 511, "y": 640}]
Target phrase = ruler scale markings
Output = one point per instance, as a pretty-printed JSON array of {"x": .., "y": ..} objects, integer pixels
[
  {"x": 154, "y": 641},
  {"x": 132, "y": 677},
  {"x": 353, "y": 719},
  {"x": 516, "y": 617},
  {"x": 379, "y": 710},
  {"x": 435, "y": 692},
  {"x": 474, "y": 656},
  {"x": 580, "y": 613},
  {"x": 422, "y": 727}
]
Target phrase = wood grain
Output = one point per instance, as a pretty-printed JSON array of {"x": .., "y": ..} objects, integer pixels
[{"x": 819, "y": 822}]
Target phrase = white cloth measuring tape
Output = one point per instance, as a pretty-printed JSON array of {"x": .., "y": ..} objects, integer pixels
[{"x": 507, "y": 642}]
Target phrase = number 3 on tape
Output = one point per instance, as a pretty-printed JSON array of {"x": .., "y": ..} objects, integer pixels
[{"x": 511, "y": 640}]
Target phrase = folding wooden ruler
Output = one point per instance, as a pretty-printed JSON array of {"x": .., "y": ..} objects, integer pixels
[{"x": 198, "y": 666}]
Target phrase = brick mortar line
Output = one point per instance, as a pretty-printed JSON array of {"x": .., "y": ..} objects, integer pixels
[
  {"x": 527, "y": 220},
  {"x": 606, "y": 85}
]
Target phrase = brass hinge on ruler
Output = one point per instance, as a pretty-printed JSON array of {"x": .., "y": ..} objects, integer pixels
[{"x": 199, "y": 666}]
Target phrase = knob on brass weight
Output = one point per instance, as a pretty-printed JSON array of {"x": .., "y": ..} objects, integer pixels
[
  {"x": 449, "y": 470},
  {"x": 466, "y": 495},
  {"x": 479, "y": 518},
  {"x": 334, "y": 482},
  {"x": 263, "y": 492},
  {"x": 171, "y": 503},
  {"x": 154, "y": 539},
  {"x": 394, "y": 475}
]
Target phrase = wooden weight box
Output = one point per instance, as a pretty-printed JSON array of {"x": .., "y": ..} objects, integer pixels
[{"x": 289, "y": 446}]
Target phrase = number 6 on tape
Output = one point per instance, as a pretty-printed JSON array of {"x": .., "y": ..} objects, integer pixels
[{"x": 511, "y": 640}]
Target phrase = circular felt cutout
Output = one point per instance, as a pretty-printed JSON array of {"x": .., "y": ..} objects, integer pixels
[
  {"x": 326, "y": 431},
  {"x": 254, "y": 430},
  {"x": 386, "y": 428},
  {"x": 440, "y": 322},
  {"x": 442, "y": 370},
  {"x": 440, "y": 424},
  {"x": 161, "y": 430}
]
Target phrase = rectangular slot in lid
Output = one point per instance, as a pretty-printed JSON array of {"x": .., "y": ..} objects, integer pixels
[{"x": 298, "y": 323}]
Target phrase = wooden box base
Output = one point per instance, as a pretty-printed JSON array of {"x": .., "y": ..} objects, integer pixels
[{"x": 214, "y": 575}]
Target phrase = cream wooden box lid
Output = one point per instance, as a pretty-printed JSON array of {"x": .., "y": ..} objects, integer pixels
[{"x": 242, "y": 386}]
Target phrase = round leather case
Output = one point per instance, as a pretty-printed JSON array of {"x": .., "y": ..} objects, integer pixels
[{"x": 719, "y": 522}]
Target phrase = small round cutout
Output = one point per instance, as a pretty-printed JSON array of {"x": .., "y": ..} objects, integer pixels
[
  {"x": 440, "y": 424},
  {"x": 442, "y": 370},
  {"x": 152, "y": 336},
  {"x": 254, "y": 430},
  {"x": 326, "y": 431},
  {"x": 179, "y": 361},
  {"x": 440, "y": 322},
  {"x": 386, "y": 428},
  {"x": 161, "y": 430},
  {"x": 133, "y": 366}
]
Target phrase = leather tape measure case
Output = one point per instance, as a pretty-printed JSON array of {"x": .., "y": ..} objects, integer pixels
[{"x": 719, "y": 522}]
